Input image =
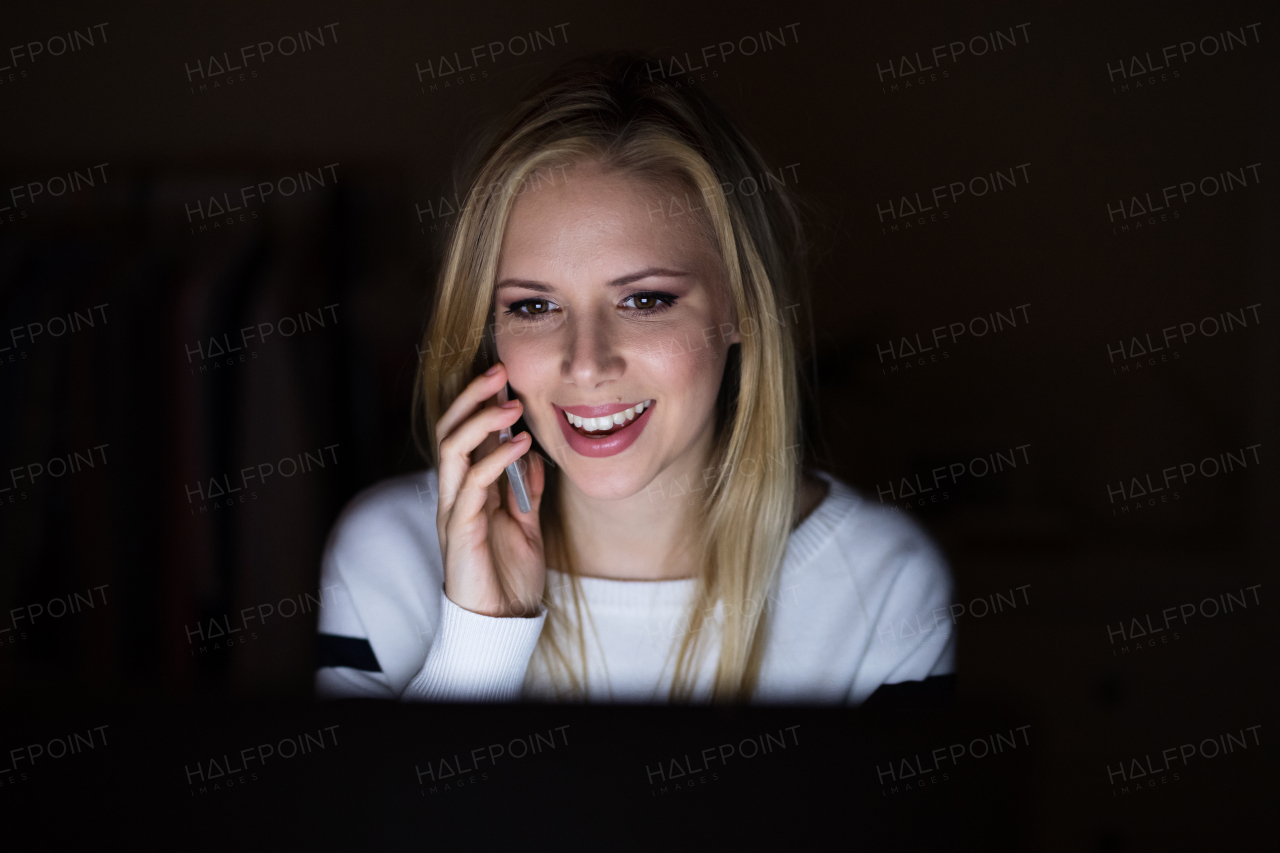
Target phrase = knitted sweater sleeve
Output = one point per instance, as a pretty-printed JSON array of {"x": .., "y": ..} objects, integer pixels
[{"x": 387, "y": 629}]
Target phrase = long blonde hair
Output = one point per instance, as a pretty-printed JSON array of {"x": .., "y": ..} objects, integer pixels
[{"x": 609, "y": 110}]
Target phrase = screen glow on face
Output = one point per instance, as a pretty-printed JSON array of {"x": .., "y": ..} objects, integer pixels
[{"x": 607, "y": 310}]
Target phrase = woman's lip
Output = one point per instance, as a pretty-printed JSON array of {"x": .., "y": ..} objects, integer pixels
[
  {"x": 596, "y": 411},
  {"x": 610, "y": 444}
]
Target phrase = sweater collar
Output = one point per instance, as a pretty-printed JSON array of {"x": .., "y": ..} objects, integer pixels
[
  {"x": 816, "y": 530},
  {"x": 804, "y": 543}
]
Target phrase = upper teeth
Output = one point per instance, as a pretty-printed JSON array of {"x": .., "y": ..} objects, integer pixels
[{"x": 602, "y": 423}]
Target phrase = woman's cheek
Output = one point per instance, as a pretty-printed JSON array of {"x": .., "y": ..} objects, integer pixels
[
  {"x": 530, "y": 354},
  {"x": 677, "y": 345},
  {"x": 684, "y": 363},
  {"x": 533, "y": 366}
]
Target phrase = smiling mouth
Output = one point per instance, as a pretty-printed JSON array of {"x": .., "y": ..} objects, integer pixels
[{"x": 606, "y": 425}]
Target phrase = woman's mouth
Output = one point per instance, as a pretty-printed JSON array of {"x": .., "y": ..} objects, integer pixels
[
  {"x": 599, "y": 431},
  {"x": 604, "y": 425}
]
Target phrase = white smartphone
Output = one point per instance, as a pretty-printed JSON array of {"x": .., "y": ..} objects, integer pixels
[{"x": 515, "y": 471}]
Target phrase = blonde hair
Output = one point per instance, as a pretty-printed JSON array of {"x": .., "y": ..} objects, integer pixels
[{"x": 608, "y": 110}]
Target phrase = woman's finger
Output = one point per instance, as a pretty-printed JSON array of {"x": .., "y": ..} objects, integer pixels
[
  {"x": 536, "y": 481},
  {"x": 456, "y": 450},
  {"x": 474, "y": 492},
  {"x": 472, "y": 398}
]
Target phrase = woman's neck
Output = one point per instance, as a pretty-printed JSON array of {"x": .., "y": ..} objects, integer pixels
[{"x": 651, "y": 535}]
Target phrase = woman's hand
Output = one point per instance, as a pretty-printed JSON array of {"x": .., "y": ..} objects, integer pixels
[{"x": 494, "y": 562}]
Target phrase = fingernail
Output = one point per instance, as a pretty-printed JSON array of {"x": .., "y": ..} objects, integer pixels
[
  {"x": 493, "y": 370},
  {"x": 510, "y": 404},
  {"x": 524, "y": 436}
]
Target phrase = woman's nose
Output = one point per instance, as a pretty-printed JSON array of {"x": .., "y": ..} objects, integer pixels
[{"x": 592, "y": 356}]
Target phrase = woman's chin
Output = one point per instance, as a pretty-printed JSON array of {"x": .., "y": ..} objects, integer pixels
[{"x": 609, "y": 479}]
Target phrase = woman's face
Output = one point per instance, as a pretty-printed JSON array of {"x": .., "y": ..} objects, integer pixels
[{"x": 604, "y": 302}]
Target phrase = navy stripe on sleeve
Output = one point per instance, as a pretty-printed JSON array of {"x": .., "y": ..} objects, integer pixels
[{"x": 351, "y": 652}]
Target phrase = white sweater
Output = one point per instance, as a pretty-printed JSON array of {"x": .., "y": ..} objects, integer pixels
[{"x": 861, "y": 600}]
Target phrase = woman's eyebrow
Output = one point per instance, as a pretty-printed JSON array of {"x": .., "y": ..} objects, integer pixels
[
  {"x": 651, "y": 272},
  {"x": 527, "y": 285}
]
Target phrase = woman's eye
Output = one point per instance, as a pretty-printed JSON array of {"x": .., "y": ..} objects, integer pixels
[
  {"x": 649, "y": 302},
  {"x": 529, "y": 308}
]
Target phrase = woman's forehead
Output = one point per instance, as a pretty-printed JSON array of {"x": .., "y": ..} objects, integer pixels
[{"x": 599, "y": 217}]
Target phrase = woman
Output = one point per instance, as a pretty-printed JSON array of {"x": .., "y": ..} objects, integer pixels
[{"x": 633, "y": 257}]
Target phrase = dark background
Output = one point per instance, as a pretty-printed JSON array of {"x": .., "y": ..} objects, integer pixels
[{"x": 362, "y": 244}]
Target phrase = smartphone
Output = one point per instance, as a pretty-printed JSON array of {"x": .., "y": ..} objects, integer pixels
[{"x": 515, "y": 471}]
